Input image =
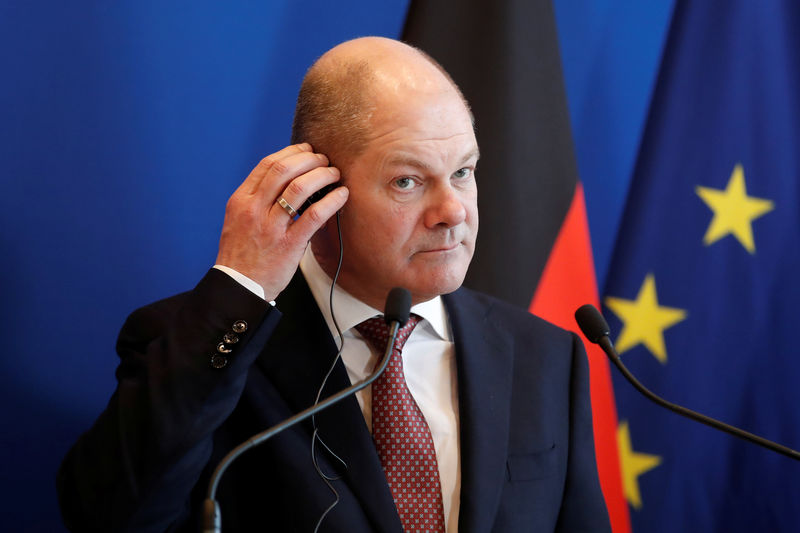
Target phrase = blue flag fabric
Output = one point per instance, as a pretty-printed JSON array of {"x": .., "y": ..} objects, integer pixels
[{"x": 703, "y": 284}]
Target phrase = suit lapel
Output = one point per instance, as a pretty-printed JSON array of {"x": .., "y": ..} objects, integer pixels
[
  {"x": 296, "y": 358},
  {"x": 485, "y": 362}
]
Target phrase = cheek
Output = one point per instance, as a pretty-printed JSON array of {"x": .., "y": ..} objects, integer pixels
[
  {"x": 472, "y": 211},
  {"x": 472, "y": 215},
  {"x": 373, "y": 235},
  {"x": 382, "y": 230},
  {"x": 360, "y": 215},
  {"x": 391, "y": 224}
]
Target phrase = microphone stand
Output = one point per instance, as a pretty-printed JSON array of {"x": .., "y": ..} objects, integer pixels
[
  {"x": 212, "y": 521},
  {"x": 596, "y": 330}
]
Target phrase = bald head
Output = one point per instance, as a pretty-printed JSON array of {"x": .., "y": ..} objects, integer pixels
[{"x": 344, "y": 88}]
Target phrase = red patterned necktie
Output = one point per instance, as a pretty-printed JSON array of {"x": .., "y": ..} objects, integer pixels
[{"x": 402, "y": 436}]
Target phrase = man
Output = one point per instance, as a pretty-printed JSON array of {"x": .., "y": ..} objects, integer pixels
[{"x": 502, "y": 396}]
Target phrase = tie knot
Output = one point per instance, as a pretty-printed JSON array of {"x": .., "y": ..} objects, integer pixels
[{"x": 376, "y": 331}]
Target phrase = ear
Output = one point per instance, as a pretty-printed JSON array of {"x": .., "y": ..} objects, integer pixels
[{"x": 325, "y": 246}]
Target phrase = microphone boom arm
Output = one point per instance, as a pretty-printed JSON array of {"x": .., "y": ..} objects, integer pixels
[
  {"x": 608, "y": 348},
  {"x": 211, "y": 514},
  {"x": 596, "y": 330}
]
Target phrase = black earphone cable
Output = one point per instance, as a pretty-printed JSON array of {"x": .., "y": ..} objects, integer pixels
[{"x": 315, "y": 436}]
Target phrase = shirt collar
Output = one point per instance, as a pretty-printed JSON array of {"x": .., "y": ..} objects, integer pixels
[{"x": 350, "y": 311}]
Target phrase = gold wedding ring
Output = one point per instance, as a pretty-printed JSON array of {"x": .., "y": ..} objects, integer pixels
[{"x": 286, "y": 207}]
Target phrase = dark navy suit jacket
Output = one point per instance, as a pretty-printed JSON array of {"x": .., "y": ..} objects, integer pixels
[{"x": 527, "y": 456}]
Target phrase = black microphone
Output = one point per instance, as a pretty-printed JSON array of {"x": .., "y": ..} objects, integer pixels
[
  {"x": 398, "y": 307},
  {"x": 596, "y": 330},
  {"x": 396, "y": 313}
]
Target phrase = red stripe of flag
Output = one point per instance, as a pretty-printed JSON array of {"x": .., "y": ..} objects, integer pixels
[{"x": 568, "y": 281}]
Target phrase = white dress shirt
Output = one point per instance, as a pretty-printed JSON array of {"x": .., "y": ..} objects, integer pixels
[{"x": 428, "y": 363}]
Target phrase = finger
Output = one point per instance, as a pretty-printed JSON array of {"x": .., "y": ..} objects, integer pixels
[
  {"x": 318, "y": 214},
  {"x": 301, "y": 188},
  {"x": 282, "y": 172},
  {"x": 251, "y": 183}
]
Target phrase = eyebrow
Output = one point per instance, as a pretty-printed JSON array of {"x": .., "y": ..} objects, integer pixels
[{"x": 407, "y": 160}]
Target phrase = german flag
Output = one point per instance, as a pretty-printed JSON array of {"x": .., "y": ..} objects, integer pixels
[{"x": 534, "y": 247}]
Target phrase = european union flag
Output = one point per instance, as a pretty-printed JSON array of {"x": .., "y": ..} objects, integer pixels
[{"x": 704, "y": 286}]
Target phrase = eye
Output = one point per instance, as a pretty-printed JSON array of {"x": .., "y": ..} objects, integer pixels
[
  {"x": 462, "y": 173},
  {"x": 405, "y": 183}
]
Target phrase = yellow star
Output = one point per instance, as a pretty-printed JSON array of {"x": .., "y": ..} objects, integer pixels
[
  {"x": 734, "y": 211},
  {"x": 633, "y": 465},
  {"x": 644, "y": 320}
]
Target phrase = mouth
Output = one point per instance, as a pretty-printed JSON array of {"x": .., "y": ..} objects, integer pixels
[{"x": 441, "y": 249}]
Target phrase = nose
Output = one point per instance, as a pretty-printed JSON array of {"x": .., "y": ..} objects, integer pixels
[{"x": 446, "y": 208}]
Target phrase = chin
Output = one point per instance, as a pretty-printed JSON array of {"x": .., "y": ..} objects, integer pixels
[{"x": 436, "y": 285}]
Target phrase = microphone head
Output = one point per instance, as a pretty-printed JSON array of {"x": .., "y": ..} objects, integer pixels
[
  {"x": 592, "y": 323},
  {"x": 398, "y": 306}
]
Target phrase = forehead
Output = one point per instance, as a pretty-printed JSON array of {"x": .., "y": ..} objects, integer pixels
[{"x": 413, "y": 121}]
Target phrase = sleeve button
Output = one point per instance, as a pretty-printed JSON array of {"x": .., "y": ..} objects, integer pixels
[
  {"x": 230, "y": 338},
  {"x": 221, "y": 348},
  {"x": 219, "y": 361},
  {"x": 240, "y": 326}
]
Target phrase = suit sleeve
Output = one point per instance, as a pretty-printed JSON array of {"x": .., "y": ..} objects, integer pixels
[
  {"x": 134, "y": 470},
  {"x": 583, "y": 508}
]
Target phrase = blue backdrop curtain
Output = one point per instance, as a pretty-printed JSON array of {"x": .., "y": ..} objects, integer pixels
[{"x": 125, "y": 127}]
